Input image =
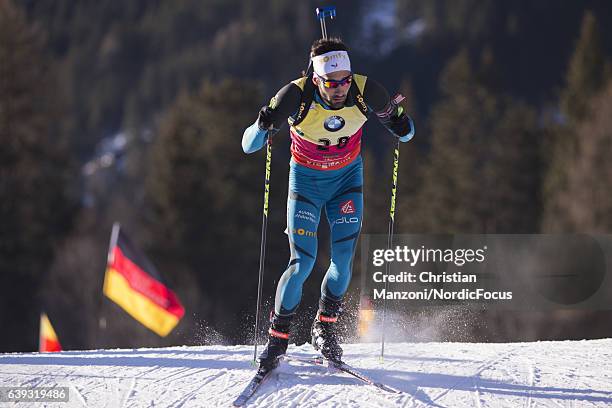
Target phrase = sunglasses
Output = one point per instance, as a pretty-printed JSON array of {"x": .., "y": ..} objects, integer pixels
[{"x": 332, "y": 83}]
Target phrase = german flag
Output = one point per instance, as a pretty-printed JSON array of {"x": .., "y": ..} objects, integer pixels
[
  {"x": 47, "y": 339},
  {"x": 132, "y": 282}
]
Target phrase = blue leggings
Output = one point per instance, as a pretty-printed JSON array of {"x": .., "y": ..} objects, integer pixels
[{"x": 340, "y": 193}]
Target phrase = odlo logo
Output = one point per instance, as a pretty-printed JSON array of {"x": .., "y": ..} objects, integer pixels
[
  {"x": 347, "y": 207},
  {"x": 346, "y": 220},
  {"x": 334, "y": 123}
]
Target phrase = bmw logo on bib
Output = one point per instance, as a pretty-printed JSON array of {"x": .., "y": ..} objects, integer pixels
[{"x": 334, "y": 123}]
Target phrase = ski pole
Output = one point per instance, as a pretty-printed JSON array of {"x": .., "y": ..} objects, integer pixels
[
  {"x": 394, "y": 101},
  {"x": 264, "y": 228},
  {"x": 322, "y": 13}
]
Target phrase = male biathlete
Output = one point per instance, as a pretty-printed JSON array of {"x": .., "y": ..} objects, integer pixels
[{"x": 326, "y": 111}]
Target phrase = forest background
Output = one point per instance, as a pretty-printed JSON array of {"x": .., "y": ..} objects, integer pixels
[{"x": 133, "y": 112}]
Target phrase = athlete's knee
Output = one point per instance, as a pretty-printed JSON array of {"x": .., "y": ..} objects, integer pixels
[
  {"x": 303, "y": 253},
  {"x": 337, "y": 285},
  {"x": 343, "y": 249},
  {"x": 298, "y": 270},
  {"x": 342, "y": 254}
]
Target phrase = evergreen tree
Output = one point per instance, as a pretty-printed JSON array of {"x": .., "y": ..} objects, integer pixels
[
  {"x": 587, "y": 200},
  {"x": 207, "y": 194},
  {"x": 483, "y": 166},
  {"x": 451, "y": 198},
  {"x": 513, "y": 171},
  {"x": 34, "y": 177},
  {"x": 585, "y": 77},
  {"x": 585, "y": 74}
]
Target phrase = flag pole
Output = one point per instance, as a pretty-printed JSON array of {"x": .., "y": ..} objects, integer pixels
[
  {"x": 113, "y": 242},
  {"x": 110, "y": 257}
]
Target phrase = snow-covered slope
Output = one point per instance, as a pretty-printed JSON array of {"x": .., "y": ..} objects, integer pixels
[{"x": 543, "y": 374}]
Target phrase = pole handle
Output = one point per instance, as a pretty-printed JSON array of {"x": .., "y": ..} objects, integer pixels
[{"x": 323, "y": 12}]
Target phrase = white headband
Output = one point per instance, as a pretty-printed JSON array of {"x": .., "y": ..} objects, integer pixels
[{"x": 331, "y": 62}]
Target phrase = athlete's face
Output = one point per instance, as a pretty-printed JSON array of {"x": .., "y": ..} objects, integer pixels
[{"x": 334, "y": 96}]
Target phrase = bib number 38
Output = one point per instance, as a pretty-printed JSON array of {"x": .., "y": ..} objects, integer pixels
[{"x": 325, "y": 143}]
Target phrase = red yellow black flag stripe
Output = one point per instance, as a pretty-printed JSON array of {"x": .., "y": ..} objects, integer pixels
[
  {"x": 47, "y": 339},
  {"x": 133, "y": 283}
]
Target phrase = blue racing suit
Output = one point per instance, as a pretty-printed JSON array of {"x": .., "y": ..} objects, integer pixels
[{"x": 326, "y": 172}]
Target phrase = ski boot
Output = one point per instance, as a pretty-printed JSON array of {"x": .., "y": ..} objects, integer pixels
[
  {"x": 278, "y": 341},
  {"x": 325, "y": 329}
]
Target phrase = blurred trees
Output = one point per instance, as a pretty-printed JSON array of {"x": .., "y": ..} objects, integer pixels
[
  {"x": 585, "y": 78},
  {"x": 531, "y": 41},
  {"x": 206, "y": 195},
  {"x": 124, "y": 63},
  {"x": 511, "y": 137},
  {"x": 36, "y": 176},
  {"x": 586, "y": 201},
  {"x": 585, "y": 74},
  {"x": 482, "y": 174}
]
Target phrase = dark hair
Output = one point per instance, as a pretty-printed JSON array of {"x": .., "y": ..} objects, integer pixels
[{"x": 321, "y": 46}]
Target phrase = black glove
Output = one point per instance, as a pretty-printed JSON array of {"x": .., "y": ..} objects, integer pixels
[
  {"x": 400, "y": 125},
  {"x": 394, "y": 118},
  {"x": 264, "y": 119}
]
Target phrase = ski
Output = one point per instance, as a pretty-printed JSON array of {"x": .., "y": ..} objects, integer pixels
[
  {"x": 263, "y": 375},
  {"x": 252, "y": 386},
  {"x": 346, "y": 368},
  {"x": 342, "y": 366}
]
